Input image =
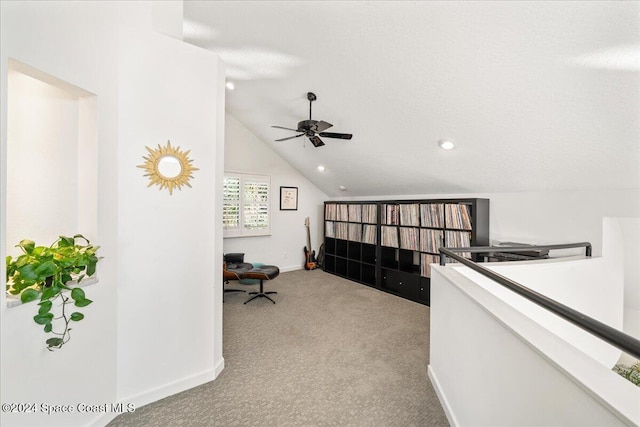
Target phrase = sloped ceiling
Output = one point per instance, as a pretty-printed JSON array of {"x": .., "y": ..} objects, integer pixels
[{"x": 536, "y": 95}]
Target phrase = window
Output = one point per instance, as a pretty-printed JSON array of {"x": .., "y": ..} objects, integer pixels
[{"x": 246, "y": 208}]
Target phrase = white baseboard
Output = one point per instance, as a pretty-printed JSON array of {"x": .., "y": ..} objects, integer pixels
[
  {"x": 219, "y": 367},
  {"x": 174, "y": 387},
  {"x": 170, "y": 389},
  {"x": 443, "y": 400},
  {"x": 161, "y": 392},
  {"x": 290, "y": 268}
]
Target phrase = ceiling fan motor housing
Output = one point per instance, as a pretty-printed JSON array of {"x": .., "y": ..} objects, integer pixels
[{"x": 307, "y": 125}]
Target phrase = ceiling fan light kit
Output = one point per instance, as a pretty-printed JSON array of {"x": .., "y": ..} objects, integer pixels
[{"x": 313, "y": 129}]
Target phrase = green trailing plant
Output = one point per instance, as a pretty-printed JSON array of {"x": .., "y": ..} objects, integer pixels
[
  {"x": 631, "y": 373},
  {"x": 46, "y": 273}
]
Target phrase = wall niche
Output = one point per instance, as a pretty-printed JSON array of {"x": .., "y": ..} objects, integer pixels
[{"x": 51, "y": 158}]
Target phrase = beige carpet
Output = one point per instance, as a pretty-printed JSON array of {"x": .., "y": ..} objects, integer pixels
[{"x": 330, "y": 352}]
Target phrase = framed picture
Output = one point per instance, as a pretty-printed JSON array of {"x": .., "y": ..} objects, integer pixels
[{"x": 288, "y": 198}]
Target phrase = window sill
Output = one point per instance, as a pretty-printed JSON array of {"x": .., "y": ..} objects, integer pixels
[
  {"x": 14, "y": 300},
  {"x": 246, "y": 235}
]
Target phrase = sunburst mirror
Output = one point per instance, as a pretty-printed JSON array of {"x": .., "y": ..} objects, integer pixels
[{"x": 169, "y": 167}]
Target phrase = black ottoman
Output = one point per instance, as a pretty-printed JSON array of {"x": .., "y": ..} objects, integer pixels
[{"x": 262, "y": 273}]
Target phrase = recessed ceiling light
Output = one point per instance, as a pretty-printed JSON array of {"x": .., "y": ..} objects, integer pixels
[
  {"x": 446, "y": 144},
  {"x": 230, "y": 85},
  {"x": 321, "y": 168}
]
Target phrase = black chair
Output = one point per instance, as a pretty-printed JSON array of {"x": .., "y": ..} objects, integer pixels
[
  {"x": 236, "y": 269},
  {"x": 233, "y": 267}
]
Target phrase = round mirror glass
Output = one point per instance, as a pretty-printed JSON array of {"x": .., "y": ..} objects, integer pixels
[{"x": 169, "y": 167}]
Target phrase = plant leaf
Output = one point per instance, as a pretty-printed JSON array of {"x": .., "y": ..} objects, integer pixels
[
  {"x": 65, "y": 242},
  {"x": 43, "y": 319},
  {"x": 76, "y": 316},
  {"x": 48, "y": 327},
  {"x": 54, "y": 342},
  {"x": 77, "y": 294},
  {"x": 29, "y": 295},
  {"x": 83, "y": 302},
  {"x": 27, "y": 245},
  {"x": 46, "y": 269},
  {"x": 49, "y": 293},
  {"x": 39, "y": 250},
  {"x": 22, "y": 260},
  {"x": 45, "y": 307},
  {"x": 91, "y": 268},
  {"x": 28, "y": 272},
  {"x": 79, "y": 297}
]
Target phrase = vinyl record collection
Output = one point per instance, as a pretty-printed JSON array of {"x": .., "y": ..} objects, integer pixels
[
  {"x": 370, "y": 214},
  {"x": 389, "y": 236},
  {"x": 369, "y": 234},
  {"x": 355, "y": 232},
  {"x": 419, "y": 227},
  {"x": 355, "y": 213},
  {"x": 410, "y": 214},
  {"x": 425, "y": 263},
  {"x": 392, "y": 245}
]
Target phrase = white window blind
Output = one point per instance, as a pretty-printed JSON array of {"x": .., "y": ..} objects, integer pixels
[
  {"x": 231, "y": 204},
  {"x": 246, "y": 207}
]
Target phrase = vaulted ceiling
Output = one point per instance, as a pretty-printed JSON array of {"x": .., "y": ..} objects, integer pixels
[{"x": 536, "y": 95}]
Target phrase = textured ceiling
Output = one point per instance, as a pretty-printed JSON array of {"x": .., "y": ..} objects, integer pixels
[{"x": 536, "y": 95}]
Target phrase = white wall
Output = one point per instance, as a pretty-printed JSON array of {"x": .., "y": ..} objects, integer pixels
[
  {"x": 492, "y": 365},
  {"x": 169, "y": 280},
  {"x": 155, "y": 325},
  {"x": 244, "y": 152},
  {"x": 532, "y": 357},
  {"x": 559, "y": 216},
  {"x": 167, "y": 17},
  {"x": 592, "y": 286},
  {"x": 43, "y": 160},
  {"x": 75, "y": 43},
  {"x": 629, "y": 230}
]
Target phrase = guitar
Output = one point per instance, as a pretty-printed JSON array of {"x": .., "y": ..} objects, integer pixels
[{"x": 309, "y": 258}]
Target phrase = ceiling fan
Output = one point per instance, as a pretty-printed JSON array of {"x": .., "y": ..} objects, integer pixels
[{"x": 314, "y": 129}]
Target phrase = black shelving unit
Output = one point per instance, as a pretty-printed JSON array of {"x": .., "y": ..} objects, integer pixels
[{"x": 389, "y": 245}]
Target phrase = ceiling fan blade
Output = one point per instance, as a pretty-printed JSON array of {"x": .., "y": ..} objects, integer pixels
[
  {"x": 291, "y": 137},
  {"x": 317, "y": 142},
  {"x": 336, "y": 135},
  {"x": 321, "y": 126},
  {"x": 281, "y": 127}
]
